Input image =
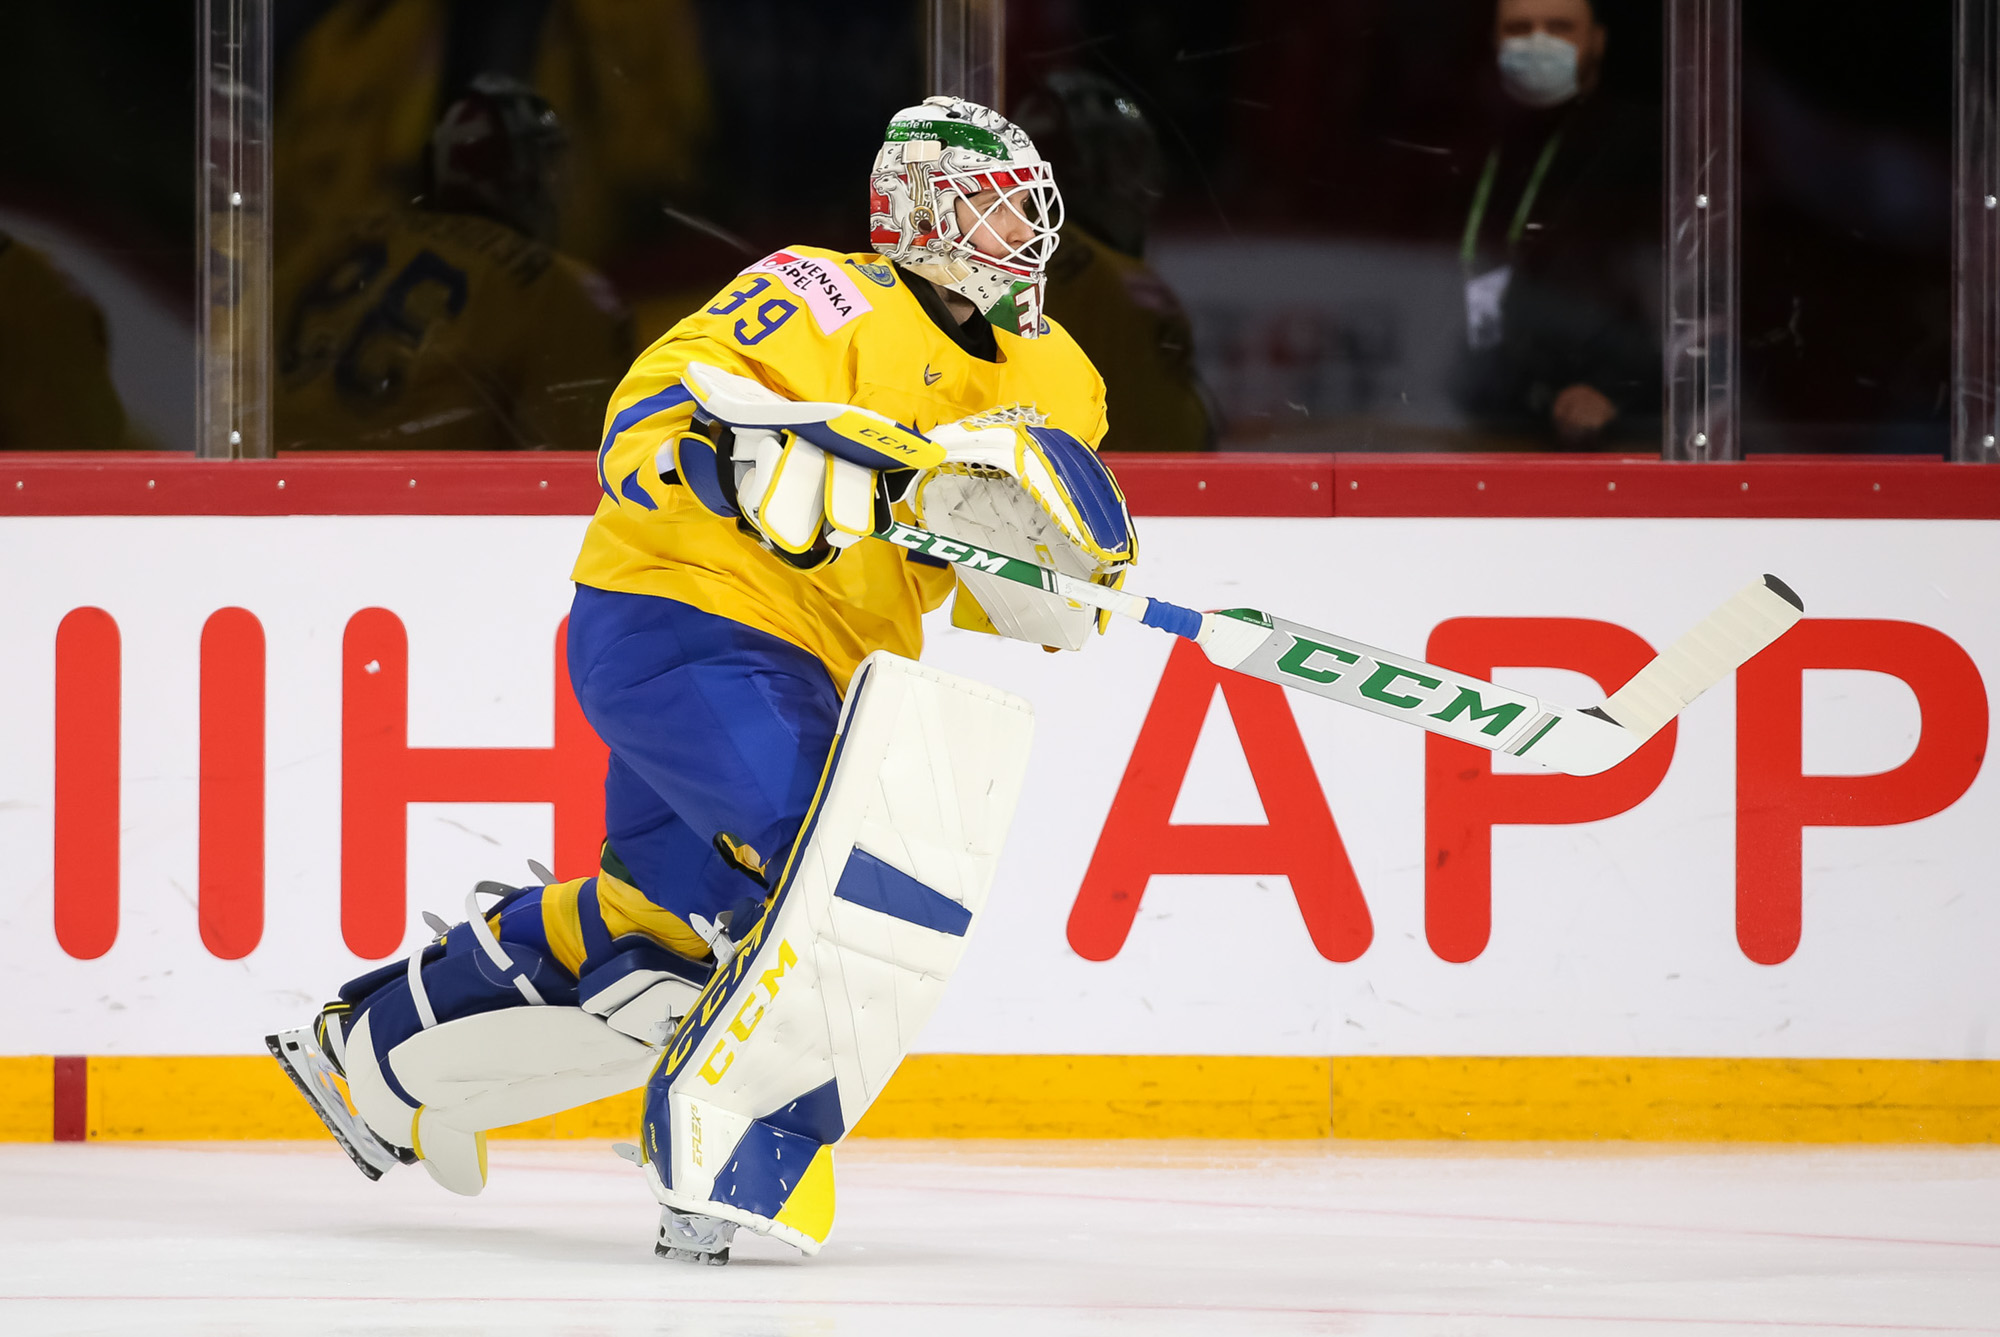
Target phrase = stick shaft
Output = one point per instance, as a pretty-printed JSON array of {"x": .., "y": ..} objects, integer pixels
[
  {"x": 1455, "y": 705},
  {"x": 1318, "y": 662},
  {"x": 1021, "y": 572}
]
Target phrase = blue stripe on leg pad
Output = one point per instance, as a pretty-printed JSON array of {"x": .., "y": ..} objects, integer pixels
[
  {"x": 816, "y": 1115},
  {"x": 763, "y": 1169},
  {"x": 879, "y": 886}
]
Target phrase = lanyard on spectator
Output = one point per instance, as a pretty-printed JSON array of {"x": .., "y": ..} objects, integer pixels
[{"x": 1468, "y": 248}]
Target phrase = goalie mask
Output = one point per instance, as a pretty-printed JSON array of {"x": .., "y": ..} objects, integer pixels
[{"x": 947, "y": 150}]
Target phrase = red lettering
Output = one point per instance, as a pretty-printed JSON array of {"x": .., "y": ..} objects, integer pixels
[
  {"x": 1139, "y": 839},
  {"x": 231, "y": 859},
  {"x": 381, "y": 774},
  {"x": 1775, "y": 802},
  {"x": 86, "y": 783},
  {"x": 1464, "y": 800}
]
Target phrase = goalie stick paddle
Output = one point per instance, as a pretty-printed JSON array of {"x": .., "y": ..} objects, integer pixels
[{"x": 1499, "y": 719}]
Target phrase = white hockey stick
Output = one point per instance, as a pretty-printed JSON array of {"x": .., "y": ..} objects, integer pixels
[{"x": 1577, "y": 742}]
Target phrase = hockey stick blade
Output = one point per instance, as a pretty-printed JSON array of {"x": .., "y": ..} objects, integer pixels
[{"x": 1720, "y": 644}]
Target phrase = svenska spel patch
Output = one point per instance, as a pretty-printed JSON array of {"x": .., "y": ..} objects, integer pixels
[{"x": 831, "y": 299}]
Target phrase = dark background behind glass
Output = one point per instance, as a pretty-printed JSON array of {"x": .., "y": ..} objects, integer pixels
[
  {"x": 97, "y": 174},
  {"x": 1280, "y": 125},
  {"x": 1846, "y": 226}
]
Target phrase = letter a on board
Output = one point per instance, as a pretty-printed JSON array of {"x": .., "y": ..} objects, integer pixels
[{"x": 1139, "y": 839}]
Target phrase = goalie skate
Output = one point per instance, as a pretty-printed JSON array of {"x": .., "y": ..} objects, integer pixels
[
  {"x": 320, "y": 1081},
  {"x": 689, "y": 1237}
]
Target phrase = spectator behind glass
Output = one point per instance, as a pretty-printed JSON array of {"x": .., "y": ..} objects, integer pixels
[
  {"x": 1560, "y": 241},
  {"x": 453, "y": 325},
  {"x": 1115, "y": 305}
]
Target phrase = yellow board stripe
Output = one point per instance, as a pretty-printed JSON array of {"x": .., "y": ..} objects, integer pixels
[
  {"x": 1669, "y": 1099},
  {"x": 27, "y": 1099},
  {"x": 1113, "y": 1096},
  {"x": 1043, "y": 1095}
]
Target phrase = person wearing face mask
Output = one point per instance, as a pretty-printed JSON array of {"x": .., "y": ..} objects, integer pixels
[{"x": 1559, "y": 241}]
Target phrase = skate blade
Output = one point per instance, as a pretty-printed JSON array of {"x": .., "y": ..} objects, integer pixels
[
  {"x": 717, "y": 1259},
  {"x": 339, "y": 1134}
]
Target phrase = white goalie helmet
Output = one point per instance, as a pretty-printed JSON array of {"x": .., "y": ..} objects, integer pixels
[{"x": 947, "y": 150}]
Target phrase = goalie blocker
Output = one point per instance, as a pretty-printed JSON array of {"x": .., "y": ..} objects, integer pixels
[{"x": 792, "y": 1041}]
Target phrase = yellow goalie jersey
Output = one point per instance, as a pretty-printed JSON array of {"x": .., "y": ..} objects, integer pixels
[{"x": 810, "y": 324}]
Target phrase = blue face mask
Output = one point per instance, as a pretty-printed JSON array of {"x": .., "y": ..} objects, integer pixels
[{"x": 1538, "y": 70}]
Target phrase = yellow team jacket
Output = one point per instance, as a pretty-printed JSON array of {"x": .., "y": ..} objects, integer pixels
[
  {"x": 810, "y": 324},
  {"x": 419, "y": 330},
  {"x": 362, "y": 87}
]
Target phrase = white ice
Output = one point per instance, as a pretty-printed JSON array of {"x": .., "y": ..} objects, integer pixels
[{"x": 1013, "y": 1238}]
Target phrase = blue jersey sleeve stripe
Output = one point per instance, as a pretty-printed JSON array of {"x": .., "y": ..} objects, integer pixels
[
  {"x": 632, "y": 492},
  {"x": 631, "y": 416}
]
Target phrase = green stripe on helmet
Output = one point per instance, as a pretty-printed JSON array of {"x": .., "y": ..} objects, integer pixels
[
  {"x": 1006, "y": 313},
  {"x": 956, "y": 134}
]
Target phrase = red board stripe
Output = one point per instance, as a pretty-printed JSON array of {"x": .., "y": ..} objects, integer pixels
[
  {"x": 86, "y": 783},
  {"x": 1774, "y": 487},
  {"x": 1225, "y": 484},
  {"x": 231, "y": 862},
  {"x": 72, "y": 1099},
  {"x": 531, "y": 483}
]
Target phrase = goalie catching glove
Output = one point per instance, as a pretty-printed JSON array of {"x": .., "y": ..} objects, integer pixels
[
  {"x": 809, "y": 478},
  {"x": 1012, "y": 485}
]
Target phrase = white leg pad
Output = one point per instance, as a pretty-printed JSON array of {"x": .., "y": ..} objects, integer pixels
[
  {"x": 392, "y": 1118},
  {"x": 500, "y": 1068},
  {"x": 793, "y": 1040},
  {"x": 453, "y": 1157},
  {"x": 487, "y": 1071}
]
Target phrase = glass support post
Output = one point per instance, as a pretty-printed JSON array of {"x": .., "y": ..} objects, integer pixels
[
  {"x": 1975, "y": 239},
  {"x": 1701, "y": 346},
  {"x": 233, "y": 231},
  {"x": 965, "y": 51}
]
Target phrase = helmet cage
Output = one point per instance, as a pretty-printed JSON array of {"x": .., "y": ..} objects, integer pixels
[{"x": 1027, "y": 192}]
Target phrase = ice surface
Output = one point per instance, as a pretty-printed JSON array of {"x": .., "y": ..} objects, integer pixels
[{"x": 1038, "y": 1238}]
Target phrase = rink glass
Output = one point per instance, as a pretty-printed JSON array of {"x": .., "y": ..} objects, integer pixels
[{"x": 1759, "y": 229}]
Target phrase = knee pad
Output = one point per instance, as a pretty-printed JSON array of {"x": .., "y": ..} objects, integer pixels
[
  {"x": 802, "y": 1026},
  {"x": 640, "y": 988}
]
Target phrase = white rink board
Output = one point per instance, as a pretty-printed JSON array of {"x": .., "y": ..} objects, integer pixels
[{"x": 1613, "y": 937}]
